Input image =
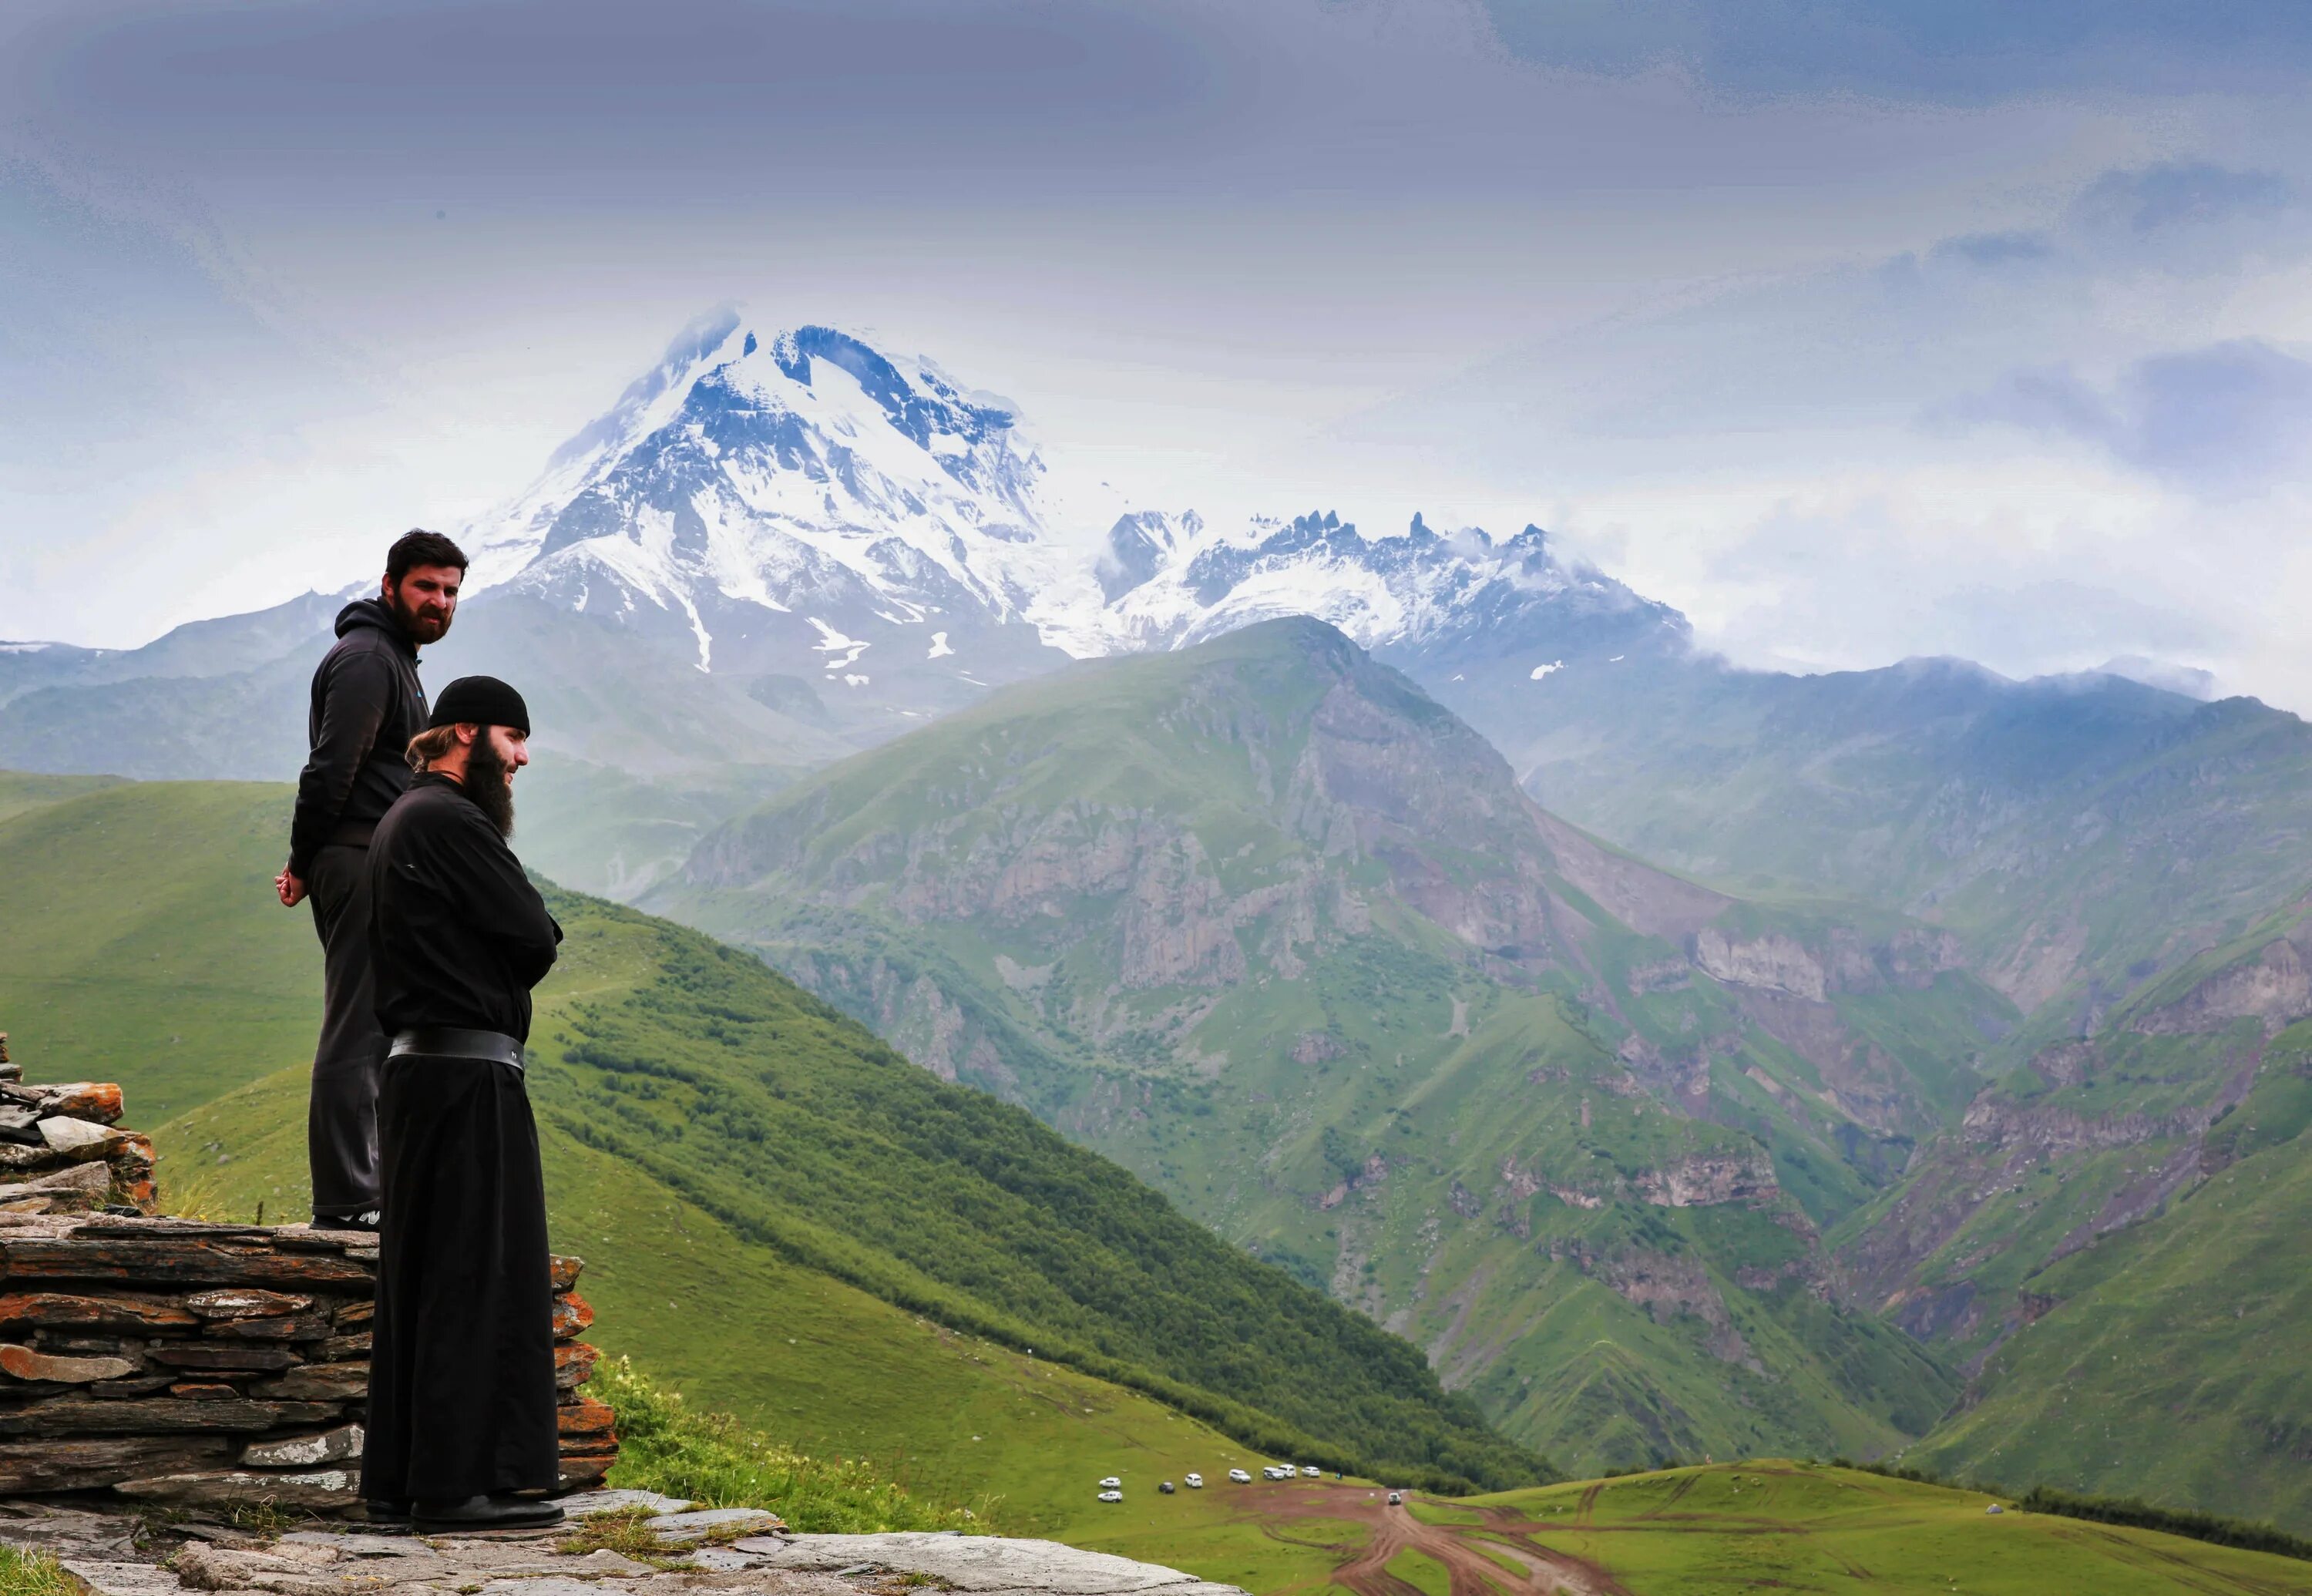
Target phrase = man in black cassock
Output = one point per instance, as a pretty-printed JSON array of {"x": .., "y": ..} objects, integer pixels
[{"x": 462, "y": 1402}]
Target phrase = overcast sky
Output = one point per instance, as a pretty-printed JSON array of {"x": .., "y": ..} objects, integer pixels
[{"x": 1855, "y": 330}]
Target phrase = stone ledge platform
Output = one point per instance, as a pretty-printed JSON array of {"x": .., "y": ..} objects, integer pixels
[{"x": 115, "y": 1553}]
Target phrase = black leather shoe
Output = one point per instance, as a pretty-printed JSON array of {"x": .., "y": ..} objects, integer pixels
[
  {"x": 484, "y": 1512},
  {"x": 386, "y": 1515}
]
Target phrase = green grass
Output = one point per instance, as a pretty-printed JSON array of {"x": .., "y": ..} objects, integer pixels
[
  {"x": 33, "y": 1574},
  {"x": 1773, "y": 1524},
  {"x": 715, "y": 1460},
  {"x": 1438, "y": 1512},
  {"x": 1423, "y": 1573}
]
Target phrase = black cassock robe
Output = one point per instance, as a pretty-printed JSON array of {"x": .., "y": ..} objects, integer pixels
[{"x": 461, "y": 1400}]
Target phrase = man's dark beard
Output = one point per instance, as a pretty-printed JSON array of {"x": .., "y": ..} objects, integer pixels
[
  {"x": 414, "y": 626},
  {"x": 487, "y": 785}
]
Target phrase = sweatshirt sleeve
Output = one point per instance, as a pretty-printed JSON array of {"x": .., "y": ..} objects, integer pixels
[{"x": 355, "y": 698}]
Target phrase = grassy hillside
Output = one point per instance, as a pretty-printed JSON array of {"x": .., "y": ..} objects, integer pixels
[
  {"x": 689, "y": 1069},
  {"x": 799, "y": 1129},
  {"x": 140, "y": 938},
  {"x": 1795, "y": 1526},
  {"x": 739, "y": 1328},
  {"x": 1263, "y": 922}
]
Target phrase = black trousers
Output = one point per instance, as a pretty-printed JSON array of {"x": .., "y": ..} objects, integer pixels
[
  {"x": 461, "y": 1368},
  {"x": 341, "y": 1116}
]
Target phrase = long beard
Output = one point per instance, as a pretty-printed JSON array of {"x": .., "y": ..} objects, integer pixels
[{"x": 487, "y": 785}]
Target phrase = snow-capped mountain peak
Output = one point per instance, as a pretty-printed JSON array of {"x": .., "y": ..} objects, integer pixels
[{"x": 800, "y": 503}]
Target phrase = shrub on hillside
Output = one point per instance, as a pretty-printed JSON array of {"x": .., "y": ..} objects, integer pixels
[{"x": 715, "y": 1462}]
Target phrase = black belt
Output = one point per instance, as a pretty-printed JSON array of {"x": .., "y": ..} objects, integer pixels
[{"x": 444, "y": 1041}]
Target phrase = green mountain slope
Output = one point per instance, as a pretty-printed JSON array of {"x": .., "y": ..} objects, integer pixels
[
  {"x": 2081, "y": 835},
  {"x": 1262, "y": 921},
  {"x": 687, "y": 1073},
  {"x": 2169, "y": 1362}
]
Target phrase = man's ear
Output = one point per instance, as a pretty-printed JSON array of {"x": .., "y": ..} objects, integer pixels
[
  {"x": 469, "y": 736},
  {"x": 385, "y": 588}
]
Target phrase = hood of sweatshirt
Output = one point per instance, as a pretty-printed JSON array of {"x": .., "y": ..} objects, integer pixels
[{"x": 371, "y": 612}]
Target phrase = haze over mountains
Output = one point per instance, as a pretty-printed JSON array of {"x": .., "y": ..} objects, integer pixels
[{"x": 1688, "y": 1058}]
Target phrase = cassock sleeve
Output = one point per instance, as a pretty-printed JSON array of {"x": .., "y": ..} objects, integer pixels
[{"x": 506, "y": 907}]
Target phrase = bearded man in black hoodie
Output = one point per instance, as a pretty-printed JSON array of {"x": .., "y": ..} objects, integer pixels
[{"x": 366, "y": 705}]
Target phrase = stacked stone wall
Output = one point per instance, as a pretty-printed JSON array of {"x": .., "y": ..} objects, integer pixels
[{"x": 183, "y": 1363}]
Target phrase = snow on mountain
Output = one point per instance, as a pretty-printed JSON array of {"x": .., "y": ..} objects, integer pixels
[
  {"x": 803, "y": 505},
  {"x": 1169, "y": 582}
]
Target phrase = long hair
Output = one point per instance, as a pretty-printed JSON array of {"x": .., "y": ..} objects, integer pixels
[{"x": 429, "y": 746}]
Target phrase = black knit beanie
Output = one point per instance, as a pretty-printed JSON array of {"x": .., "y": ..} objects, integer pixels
[{"x": 480, "y": 701}]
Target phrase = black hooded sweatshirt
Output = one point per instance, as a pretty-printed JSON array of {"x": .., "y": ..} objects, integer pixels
[{"x": 367, "y": 704}]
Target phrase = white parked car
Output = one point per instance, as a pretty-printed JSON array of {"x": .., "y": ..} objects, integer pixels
[
  {"x": 1240, "y": 1477},
  {"x": 1311, "y": 1470},
  {"x": 1195, "y": 1482},
  {"x": 1111, "y": 1483},
  {"x": 1111, "y": 1495}
]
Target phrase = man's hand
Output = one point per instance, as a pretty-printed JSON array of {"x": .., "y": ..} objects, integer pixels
[{"x": 291, "y": 889}]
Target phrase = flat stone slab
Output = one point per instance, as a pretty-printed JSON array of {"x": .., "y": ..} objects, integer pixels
[
  {"x": 584, "y": 1503},
  {"x": 987, "y": 1563},
  {"x": 350, "y": 1546},
  {"x": 121, "y": 1579},
  {"x": 676, "y": 1528}
]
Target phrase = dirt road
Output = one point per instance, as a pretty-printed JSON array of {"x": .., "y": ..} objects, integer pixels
[{"x": 1392, "y": 1529}]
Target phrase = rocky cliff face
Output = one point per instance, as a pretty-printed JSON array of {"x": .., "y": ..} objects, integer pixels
[{"x": 2272, "y": 988}]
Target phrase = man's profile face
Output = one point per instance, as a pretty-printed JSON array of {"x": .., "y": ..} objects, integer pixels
[
  {"x": 492, "y": 755},
  {"x": 511, "y": 748},
  {"x": 425, "y": 600}
]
